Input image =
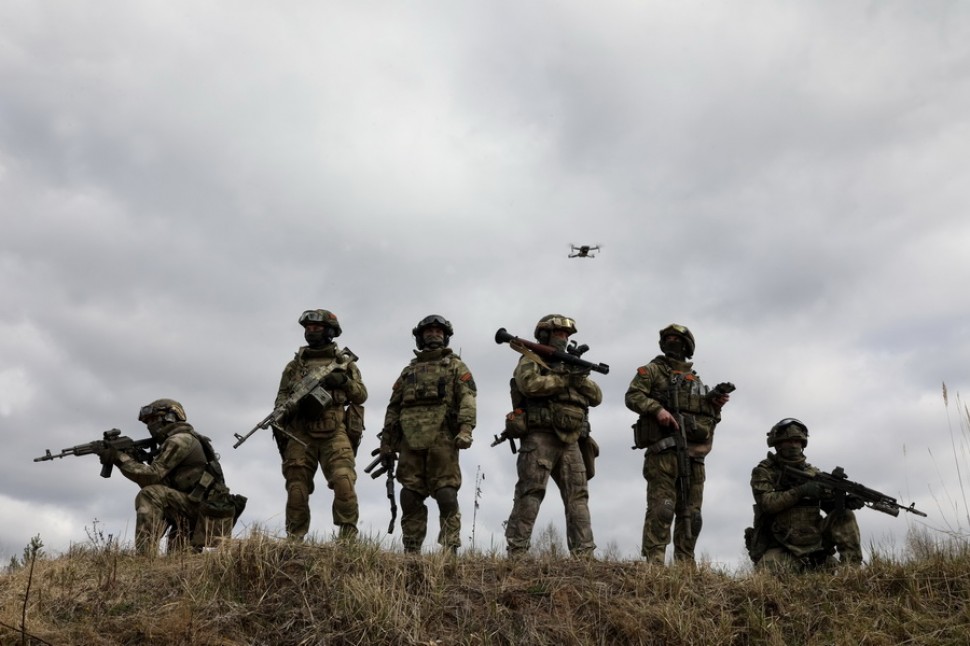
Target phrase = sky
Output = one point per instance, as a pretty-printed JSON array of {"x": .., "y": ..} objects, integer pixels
[{"x": 180, "y": 180}]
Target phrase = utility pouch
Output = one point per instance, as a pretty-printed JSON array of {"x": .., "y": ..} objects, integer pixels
[
  {"x": 647, "y": 432},
  {"x": 515, "y": 424},
  {"x": 568, "y": 419},
  {"x": 354, "y": 421},
  {"x": 201, "y": 487},
  {"x": 699, "y": 428}
]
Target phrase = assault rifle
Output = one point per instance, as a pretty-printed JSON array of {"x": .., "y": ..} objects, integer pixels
[
  {"x": 387, "y": 466},
  {"x": 142, "y": 450},
  {"x": 310, "y": 387},
  {"x": 682, "y": 509},
  {"x": 839, "y": 483},
  {"x": 505, "y": 436},
  {"x": 538, "y": 351}
]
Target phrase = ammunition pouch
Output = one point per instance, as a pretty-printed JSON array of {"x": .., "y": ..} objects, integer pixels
[
  {"x": 568, "y": 419},
  {"x": 198, "y": 493},
  {"x": 799, "y": 529},
  {"x": 515, "y": 424},
  {"x": 647, "y": 432},
  {"x": 698, "y": 428},
  {"x": 218, "y": 514},
  {"x": 315, "y": 402}
]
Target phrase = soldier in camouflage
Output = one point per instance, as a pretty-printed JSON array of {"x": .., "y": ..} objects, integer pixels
[
  {"x": 789, "y": 530},
  {"x": 182, "y": 488},
  {"x": 556, "y": 399},
  {"x": 331, "y": 434},
  {"x": 429, "y": 418},
  {"x": 649, "y": 396}
]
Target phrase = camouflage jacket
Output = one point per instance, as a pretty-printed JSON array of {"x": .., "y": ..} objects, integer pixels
[
  {"x": 352, "y": 391},
  {"x": 789, "y": 519},
  {"x": 434, "y": 394},
  {"x": 179, "y": 464},
  {"x": 554, "y": 398},
  {"x": 650, "y": 391}
]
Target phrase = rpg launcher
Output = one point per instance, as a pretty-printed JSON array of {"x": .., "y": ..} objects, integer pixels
[
  {"x": 142, "y": 450},
  {"x": 540, "y": 352}
]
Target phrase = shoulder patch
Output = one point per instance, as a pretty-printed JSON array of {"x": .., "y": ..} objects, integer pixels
[{"x": 642, "y": 370}]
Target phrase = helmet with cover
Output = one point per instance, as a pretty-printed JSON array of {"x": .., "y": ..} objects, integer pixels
[
  {"x": 428, "y": 321},
  {"x": 325, "y": 318},
  {"x": 167, "y": 410},
  {"x": 788, "y": 429},
  {"x": 684, "y": 346},
  {"x": 551, "y": 322}
]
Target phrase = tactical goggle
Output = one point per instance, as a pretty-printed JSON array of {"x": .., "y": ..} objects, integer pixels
[
  {"x": 314, "y": 316},
  {"x": 673, "y": 327},
  {"x": 790, "y": 421},
  {"x": 148, "y": 411},
  {"x": 560, "y": 322}
]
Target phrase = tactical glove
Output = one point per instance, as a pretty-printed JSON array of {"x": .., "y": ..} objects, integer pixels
[
  {"x": 809, "y": 489},
  {"x": 335, "y": 379},
  {"x": 854, "y": 502},
  {"x": 464, "y": 438}
]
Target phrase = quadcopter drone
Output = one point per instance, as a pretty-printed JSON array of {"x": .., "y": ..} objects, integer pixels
[{"x": 583, "y": 251}]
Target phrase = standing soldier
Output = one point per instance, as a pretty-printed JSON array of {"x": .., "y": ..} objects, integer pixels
[
  {"x": 182, "y": 488},
  {"x": 789, "y": 530},
  {"x": 430, "y": 417},
  {"x": 663, "y": 391},
  {"x": 331, "y": 433},
  {"x": 556, "y": 400}
]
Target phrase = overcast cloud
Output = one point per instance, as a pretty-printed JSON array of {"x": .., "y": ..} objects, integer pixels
[{"x": 180, "y": 180}]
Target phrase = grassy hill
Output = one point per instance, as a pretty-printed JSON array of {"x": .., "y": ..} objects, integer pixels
[{"x": 262, "y": 591}]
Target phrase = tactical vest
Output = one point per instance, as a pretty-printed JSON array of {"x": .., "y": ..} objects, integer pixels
[
  {"x": 314, "y": 421},
  {"x": 185, "y": 475},
  {"x": 692, "y": 401},
  {"x": 564, "y": 413},
  {"x": 799, "y": 528},
  {"x": 427, "y": 400}
]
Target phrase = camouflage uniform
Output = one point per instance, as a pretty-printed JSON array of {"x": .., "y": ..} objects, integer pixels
[
  {"x": 329, "y": 446},
  {"x": 648, "y": 395},
  {"x": 789, "y": 530},
  {"x": 556, "y": 406},
  {"x": 431, "y": 402},
  {"x": 176, "y": 489}
]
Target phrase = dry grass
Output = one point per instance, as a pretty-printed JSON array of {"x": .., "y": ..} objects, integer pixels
[{"x": 262, "y": 591}]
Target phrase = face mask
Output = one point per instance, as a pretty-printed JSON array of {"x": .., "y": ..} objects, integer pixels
[
  {"x": 791, "y": 453},
  {"x": 316, "y": 338},
  {"x": 156, "y": 426},
  {"x": 674, "y": 348}
]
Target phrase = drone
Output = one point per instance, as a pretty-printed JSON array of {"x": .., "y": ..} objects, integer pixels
[{"x": 583, "y": 251}]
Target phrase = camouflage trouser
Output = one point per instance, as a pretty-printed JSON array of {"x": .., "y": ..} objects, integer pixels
[
  {"x": 840, "y": 532},
  {"x": 660, "y": 470},
  {"x": 543, "y": 454},
  {"x": 158, "y": 507},
  {"x": 334, "y": 454},
  {"x": 432, "y": 472}
]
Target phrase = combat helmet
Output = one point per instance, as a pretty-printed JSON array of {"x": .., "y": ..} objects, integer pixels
[
  {"x": 427, "y": 321},
  {"x": 322, "y": 317},
  {"x": 171, "y": 411},
  {"x": 788, "y": 429},
  {"x": 682, "y": 332},
  {"x": 551, "y": 322}
]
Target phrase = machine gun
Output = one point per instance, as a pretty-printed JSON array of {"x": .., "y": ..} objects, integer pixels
[
  {"x": 310, "y": 387},
  {"x": 839, "y": 483},
  {"x": 386, "y": 466},
  {"x": 539, "y": 351},
  {"x": 143, "y": 451}
]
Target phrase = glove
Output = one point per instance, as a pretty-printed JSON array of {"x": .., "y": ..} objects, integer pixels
[
  {"x": 809, "y": 489},
  {"x": 107, "y": 454},
  {"x": 464, "y": 438},
  {"x": 854, "y": 502},
  {"x": 335, "y": 379}
]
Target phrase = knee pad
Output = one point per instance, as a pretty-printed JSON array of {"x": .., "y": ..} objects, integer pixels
[
  {"x": 447, "y": 498},
  {"x": 696, "y": 522},
  {"x": 342, "y": 483},
  {"x": 411, "y": 501},
  {"x": 666, "y": 512}
]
